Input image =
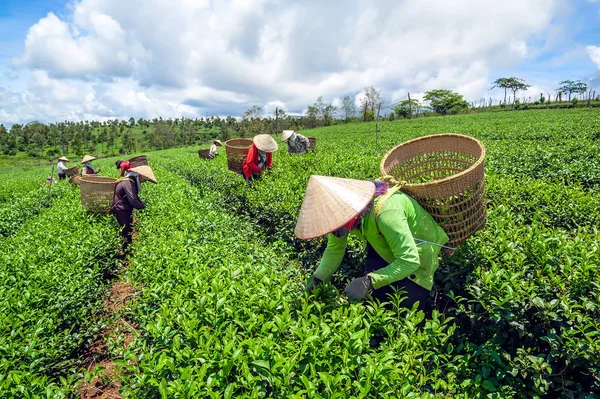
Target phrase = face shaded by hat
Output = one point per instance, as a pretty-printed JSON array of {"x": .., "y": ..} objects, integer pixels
[
  {"x": 330, "y": 203},
  {"x": 265, "y": 142}
]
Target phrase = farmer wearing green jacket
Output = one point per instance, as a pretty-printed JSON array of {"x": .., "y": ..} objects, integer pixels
[{"x": 403, "y": 241}]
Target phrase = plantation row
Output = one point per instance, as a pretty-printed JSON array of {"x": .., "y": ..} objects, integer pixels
[
  {"x": 51, "y": 284},
  {"x": 523, "y": 293},
  {"x": 222, "y": 310}
]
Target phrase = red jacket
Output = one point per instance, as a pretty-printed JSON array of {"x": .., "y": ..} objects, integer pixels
[
  {"x": 250, "y": 165},
  {"x": 124, "y": 166}
]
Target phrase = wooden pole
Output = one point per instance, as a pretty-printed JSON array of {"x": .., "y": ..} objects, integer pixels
[
  {"x": 276, "y": 120},
  {"x": 409, "y": 107}
]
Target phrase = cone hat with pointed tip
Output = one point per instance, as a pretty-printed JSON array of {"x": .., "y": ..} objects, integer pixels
[
  {"x": 265, "y": 142},
  {"x": 63, "y": 158},
  {"x": 329, "y": 203},
  {"x": 87, "y": 158},
  {"x": 145, "y": 171},
  {"x": 285, "y": 136}
]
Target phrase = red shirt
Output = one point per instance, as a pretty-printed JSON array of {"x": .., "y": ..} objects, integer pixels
[
  {"x": 250, "y": 165},
  {"x": 124, "y": 166}
]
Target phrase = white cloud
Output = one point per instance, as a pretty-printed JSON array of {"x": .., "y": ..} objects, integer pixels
[
  {"x": 594, "y": 53},
  {"x": 150, "y": 58}
]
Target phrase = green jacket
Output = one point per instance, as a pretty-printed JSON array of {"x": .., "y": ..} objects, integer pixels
[{"x": 392, "y": 235}]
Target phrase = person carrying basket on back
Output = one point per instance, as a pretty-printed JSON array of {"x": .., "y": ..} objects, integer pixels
[
  {"x": 403, "y": 241},
  {"x": 127, "y": 199},
  {"x": 259, "y": 157}
]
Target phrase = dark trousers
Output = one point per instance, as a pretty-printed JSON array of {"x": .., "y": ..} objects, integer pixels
[
  {"x": 414, "y": 292},
  {"x": 62, "y": 176},
  {"x": 125, "y": 220},
  {"x": 252, "y": 177}
]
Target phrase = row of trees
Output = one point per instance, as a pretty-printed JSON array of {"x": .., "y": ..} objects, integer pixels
[{"x": 127, "y": 136}]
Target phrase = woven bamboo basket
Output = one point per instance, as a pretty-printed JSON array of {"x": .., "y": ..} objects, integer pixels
[
  {"x": 203, "y": 154},
  {"x": 72, "y": 171},
  {"x": 97, "y": 193},
  {"x": 75, "y": 179},
  {"x": 236, "y": 150},
  {"x": 312, "y": 143},
  {"x": 138, "y": 161},
  {"x": 444, "y": 173}
]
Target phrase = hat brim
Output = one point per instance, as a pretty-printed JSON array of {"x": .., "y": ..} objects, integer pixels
[
  {"x": 87, "y": 158},
  {"x": 265, "y": 142},
  {"x": 145, "y": 171},
  {"x": 285, "y": 136},
  {"x": 330, "y": 203}
]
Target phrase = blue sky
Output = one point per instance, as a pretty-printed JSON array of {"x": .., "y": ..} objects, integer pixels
[{"x": 100, "y": 59}]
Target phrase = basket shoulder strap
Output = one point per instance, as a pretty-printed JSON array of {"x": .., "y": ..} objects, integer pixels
[{"x": 396, "y": 186}]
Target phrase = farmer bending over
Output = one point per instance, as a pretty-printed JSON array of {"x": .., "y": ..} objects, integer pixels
[
  {"x": 213, "y": 149},
  {"x": 297, "y": 143},
  {"x": 403, "y": 240},
  {"x": 260, "y": 156},
  {"x": 124, "y": 166},
  {"x": 127, "y": 199}
]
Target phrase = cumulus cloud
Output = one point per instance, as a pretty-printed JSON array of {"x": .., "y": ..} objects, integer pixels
[
  {"x": 594, "y": 53},
  {"x": 149, "y": 58}
]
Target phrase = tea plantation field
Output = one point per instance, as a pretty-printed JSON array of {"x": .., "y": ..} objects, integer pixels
[{"x": 221, "y": 310}]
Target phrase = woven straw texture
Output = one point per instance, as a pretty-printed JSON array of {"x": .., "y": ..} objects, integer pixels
[
  {"x": 138, "y": 161},
  {"x": 312, "y": 143},
  {"x": 97, "y": 193},
  {"x": 444, "y": 173},
  {"x": 75, "y": 179},
  {"x": 236, "y": 150},
  {"x": 72, "y": 171},
  {"x": 203, "y": 154}
]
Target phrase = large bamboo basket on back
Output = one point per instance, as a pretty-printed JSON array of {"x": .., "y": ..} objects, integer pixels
[
  {"x": 236, "y": 150},
  {"x": 138, "y": 161},
  {"x": 72, "y": 171},
  {"x": 444, "y": 174},
  {"x": 312, "y": 143},
  {"x": 204, "y": 154},
  {"x": 97, "y": 193}
]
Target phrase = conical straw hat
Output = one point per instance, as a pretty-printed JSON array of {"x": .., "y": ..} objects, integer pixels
[
  {"x": 63, "y": 158},
  {"x": 218, "y": 142},
  {"x": 331, "y": 202},
  {"x": 265, "y": 142},
  {"x": 286, "y": 135},
  {"x": 87, "y": 158},
  {"x": 145, "y": 171}
]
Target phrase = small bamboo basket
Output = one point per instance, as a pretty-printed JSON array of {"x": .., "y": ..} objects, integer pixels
[
  {"x": 72, "y": 171},
  {"x": 312, "y": 143},
  {"x": 97, "y": 193},
  {"x": 204, "y": 154},
  {"x": 236, "y": 150},
  {"x": 444, "y": 173},
  {"x": 138, "y": 161},
  {"x": 75, "y": 179}
]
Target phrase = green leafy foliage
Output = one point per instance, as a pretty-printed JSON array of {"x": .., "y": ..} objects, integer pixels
[{"x": 51, "y": 274}]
